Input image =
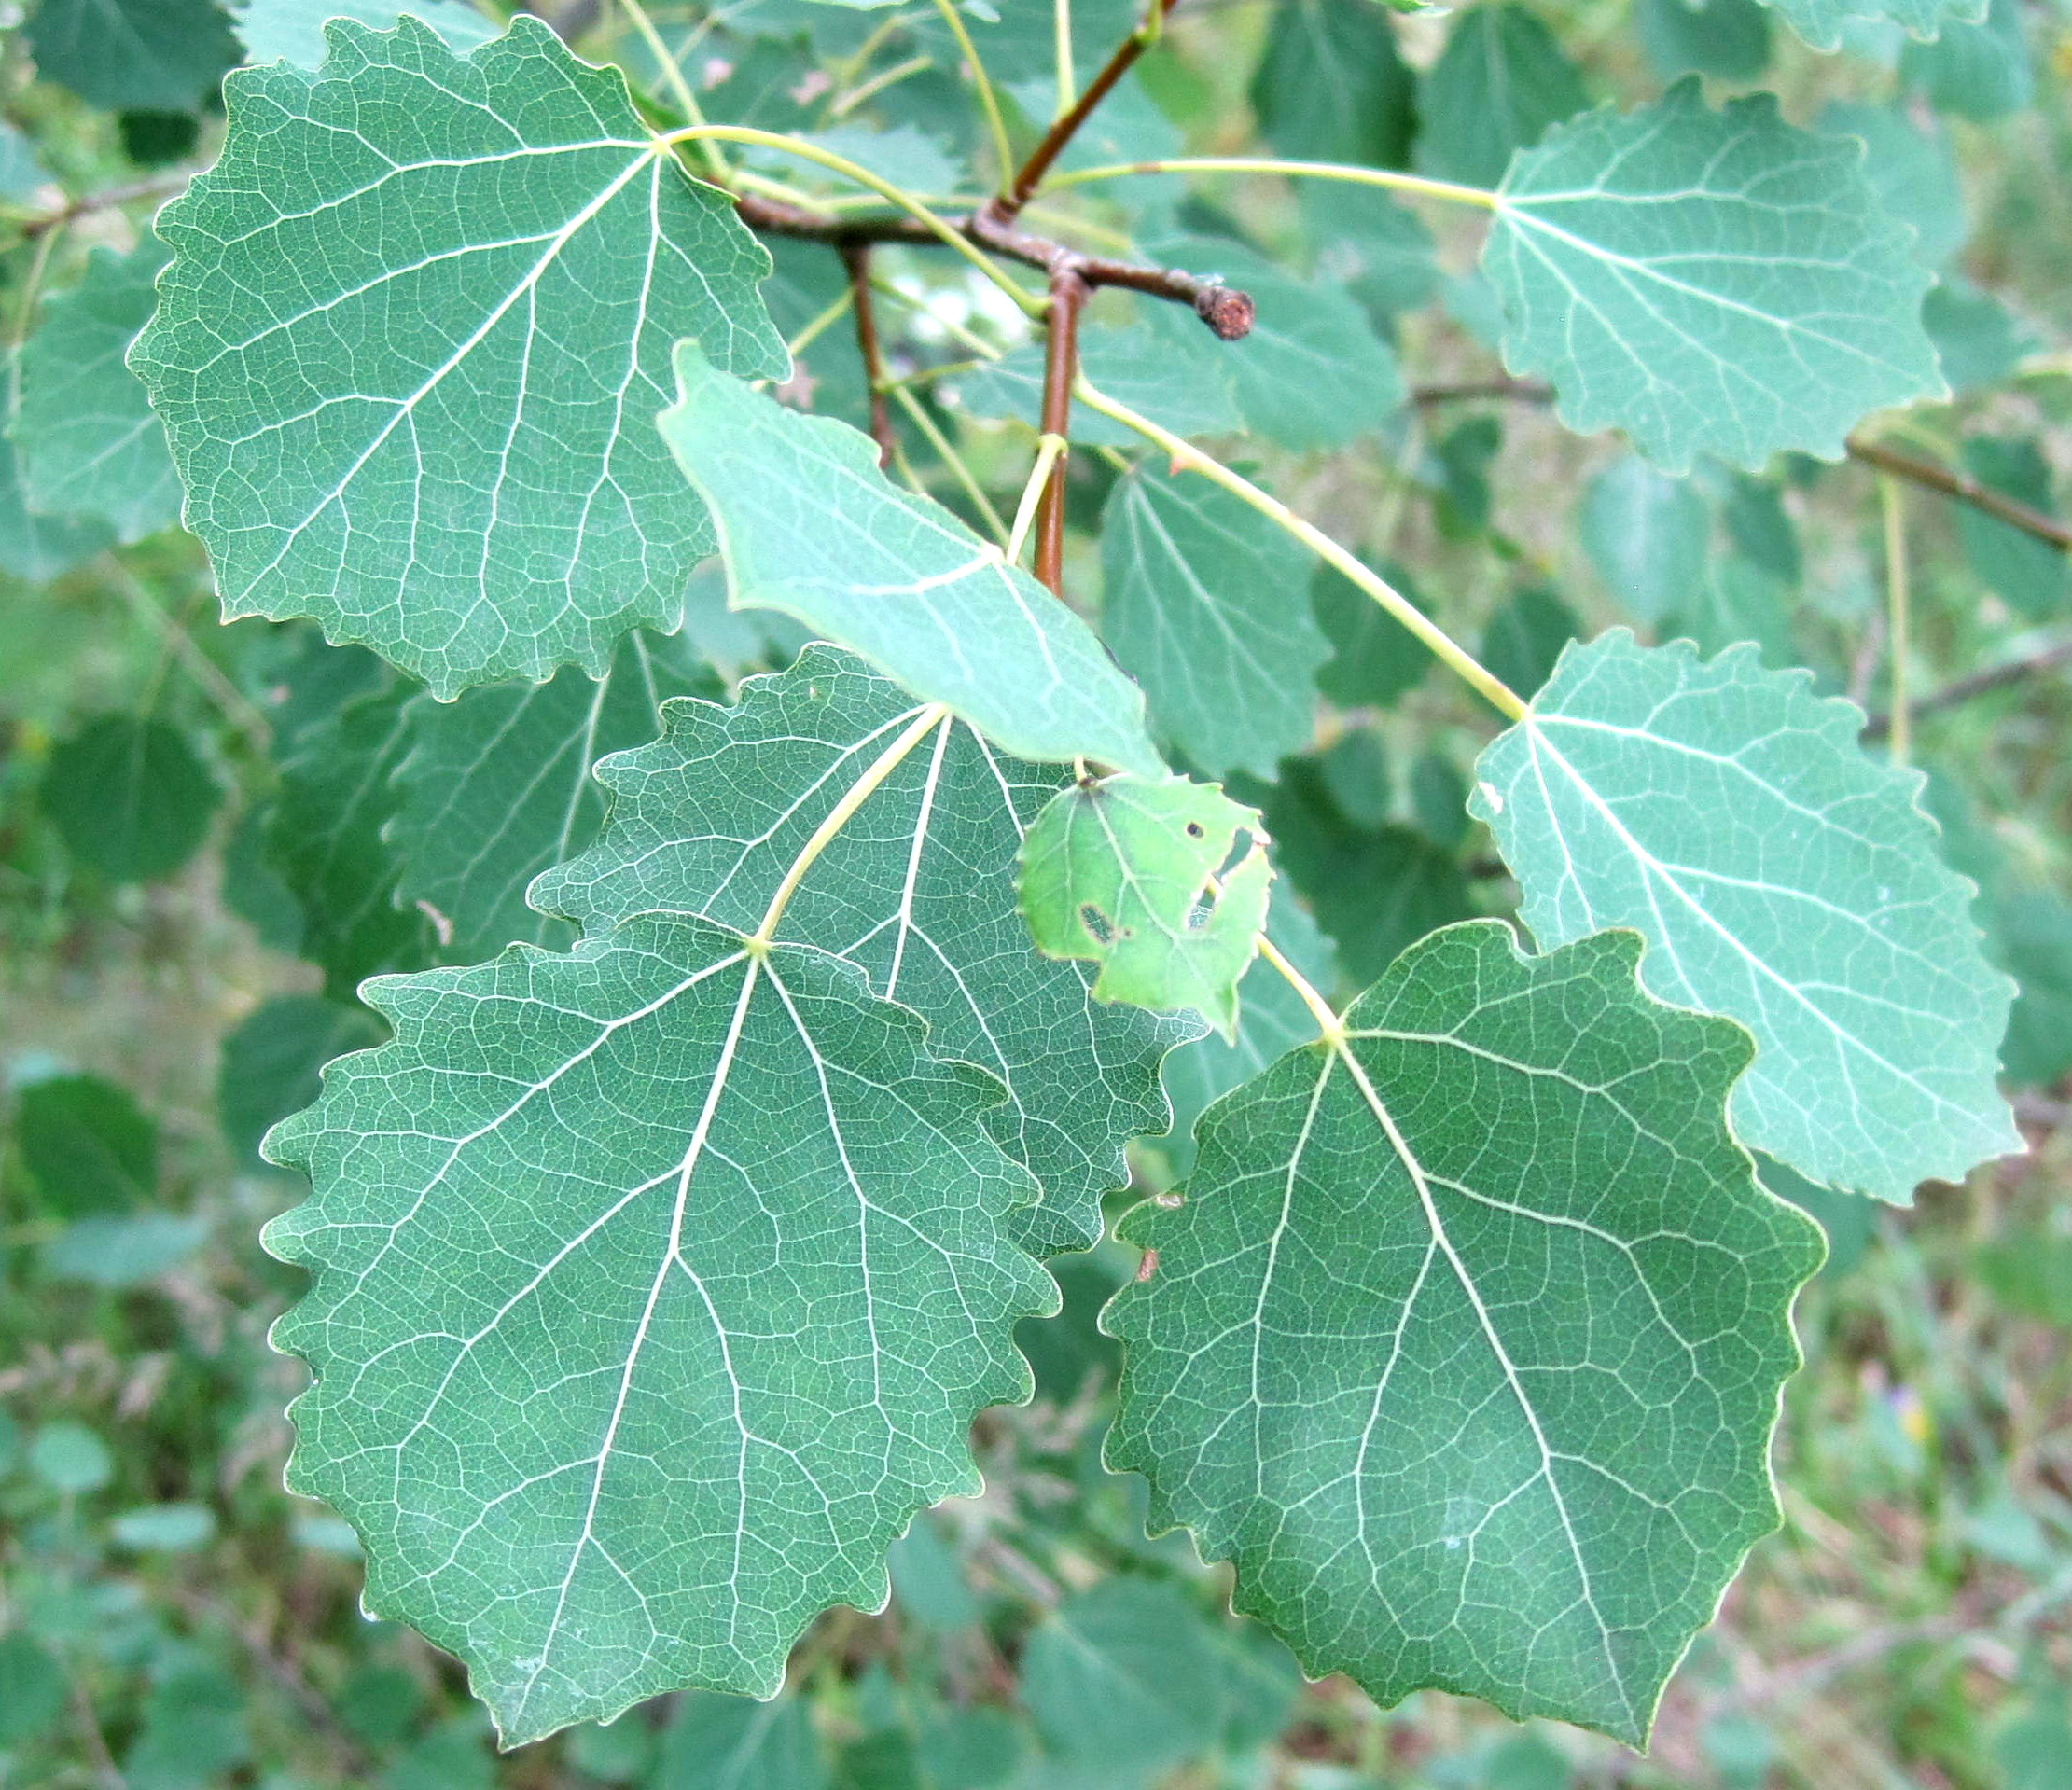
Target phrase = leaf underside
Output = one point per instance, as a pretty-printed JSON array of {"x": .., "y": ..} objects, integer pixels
[
  {"x": 416, "y": 329},
  {"x": 1464, "y": 1344},
  {"x": 1783, "y": 878},
  {"x": 656, "y": 1287},
  {"x": 917, "y": 890}
]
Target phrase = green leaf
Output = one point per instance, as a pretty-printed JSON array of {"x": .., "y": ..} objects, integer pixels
[
  {"x": 193, "y": 1731},
  {"x": 1381, "y": 252},
  {"x": 1761, "y": 527},
  {"x": 1734, "y": 600},
  {"x": 1730, "y": 38},
  {"x": 87, "y": 442},
  {"x": 20, "y": 172},
  {"x": 417, "y": 322},
  {"x": 1202, "y": 604},
  {"x": 735, "y": 1743},
  {"x": 2028, "y": 573},
  {"x": 1977, "y": 340},
  {"x": 1782, "y": 877},
  {"x": 1823, "y": 22},
  {"x": 917, "y": 891},
  {"x": 131, "y": 55},
  {"x": 270, "y": 1062},
  {"x": 1709, "y": 282},
  {"x": 2032, "y": 930},
  {"x": 1978, "y": 71},
  {"x": 749, "y": 1286},
  {"x": 1375, "y": 658},
  {"x": 1125, "y": 1676},
  {"x": 1271, "y": 1021},
  {"x": 322, "y": 840},
  {"x": 293, "y": 30},
  {"x": 1464, "y": 1343},
  {"x": 86, "y": 1144},
  {"x": 1913, "y": 171},
  {"x": 70, "y": 1459},
  {"x": 1115, "y": 871},
  {"x": 1311, "y": 374},
  {"x": 1331, "y": 87},
  {"x": 1525, "y": 638},
  {"x": 34, "y": 546},
  {"x": 1645, "y": 532},
  {"x": 497, "y": 787},
  {"x": 32, "y": 1690},
  {"x": 130, "y": 797},
  {"x": 1189, "y": 398},
  {"x": 810, "y": 526},
  {"x": 1501, "y": 82}
]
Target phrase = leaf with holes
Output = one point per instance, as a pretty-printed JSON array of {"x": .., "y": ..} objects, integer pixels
[
  {"x": 1116, "y": 872},
  {"x": 1709, "y": 282},
  {"x": 810, "y": 526},
  {"x": 655, "y": 1289},
  {"x": 1205, "y": 603},
  {"x": 1463, "y": 1342},
  {"x": 1781, "y": 877},
  {"x": 917, "y": 891},
  {"x": 411, "y": 346},
  {"x": 497, "y": 787}
]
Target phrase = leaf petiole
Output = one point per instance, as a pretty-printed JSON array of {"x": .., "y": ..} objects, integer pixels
[
  {"x": 1003, "y": 151},
  {"x": 1049, "y": 448},
  {"x": 1188, "y": 458},
  {"x": 1415, "y": 185}
]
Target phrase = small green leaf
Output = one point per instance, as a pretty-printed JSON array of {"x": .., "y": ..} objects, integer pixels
[
  {"x": 88, "y": 441},
  {"x": 1978, "y": 69},
  {"x": 917, "y": 891},
  {"x": 1501, "y": 82},
  {"x": 270, "y": 1062},
  {"x": 1331, "y": 87},
  {"x": 131, "y": 55},
  {"x": 70, "y": 1459},
  {"x": 1913, "y": 169},
  {"x": 87, "y": 1145},
  {"x": 130, "y": 797},
  {"x": 322, "y": 838},
  {"x": 1645, "y": 532},
  {"x": 1823, "y": 22},
  {"x": 417, "y": 325},
  {"x": 1115, "y": 871},
  {"x": 2028, "y": 573},
  {"x": 746, "y": 1288},
  {"x": 1125, "y": 1676},
  {"x": 1709, "y": 282},
  {"x": 20, "y": 172},
  {"x": 35, "y": 547},
  {"x": 1979, "y": 341},
  {"x": 293, "y": 30},
  {"x": 32, "y": 1690},
  {"x": 1203, "y": 603},
  {"x": 497, "y": 787},
  {"x": 1729, "y": 38},
  {"x": 810, "y": 526},
  {"x": 1376, "y": 660},
  {"x": 1381, "y": 252},
  {"x": 1730, "y": 601},
  {"x": 718, "y": 1743},
  {"x": 1782, "y": 877},
  {"x": 1463, "y": 1342},
  {"x": 1525, "y": 638},
  {"x": 2032, "y": 933},
  {"x": 164, "y": 1528}
]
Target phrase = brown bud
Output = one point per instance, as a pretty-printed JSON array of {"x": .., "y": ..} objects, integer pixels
[{"x": 1226, "y": 311}]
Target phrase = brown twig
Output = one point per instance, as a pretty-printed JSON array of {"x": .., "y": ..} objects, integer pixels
[
  {"x": 1965, "y": 489},
  {"x": 1029, "y": 177},
  {"x": 1524, "y": 391},
  {"x": 1069, "y": 293},
  {"x": 164, "y": 186},
  {"x": 1995, "y": 677},
  {"x": 1226, "y": 312},
  {"x": 855, "y": 257}
]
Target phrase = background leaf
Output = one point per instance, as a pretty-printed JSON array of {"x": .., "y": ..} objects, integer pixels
[
  {"x": 158, "y": 55},
  {"x": 1501, "y": 82},
  {"x": 130, "y": 797}
]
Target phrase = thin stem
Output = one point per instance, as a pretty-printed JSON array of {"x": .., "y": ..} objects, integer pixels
[
  {"x": 178, "y": 644},
  {"x": 1029, "y": 177},
  {"x": 841, "y": 814},
  {"x": 821, "y": 324},
  {"x": 1068, "y": 77},
  {"x": 679, "y": 89},
  {"x": 952, "y": 459},
  {"x": 1995, "y": 677},
  {"x": 928, "y": 375},
  {"x": 936, "y": 227},
  {"x": 1061, "y": 367},
  {"x": 1048, "y": 450},
  {"x": 1330, "y": 1028},
  {"x": 964, "y": 338},
  {"x": 855, "y": 257},
  {"x": 1188, "y": 458},
  {"x": 988, "y": 103},
  {"x": 1898, "y": 728},
  {"x": 164, "y": 187},
  {"x": 877, "y": 84},
  {"x": 1415, "y": 185}
]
